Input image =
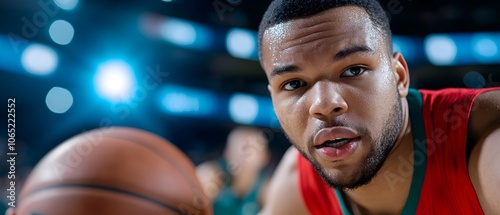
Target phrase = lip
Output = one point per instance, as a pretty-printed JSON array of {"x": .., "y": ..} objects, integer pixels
[
  {"x": 331, "y": 154},
  {"x": 332, "y": 133}
]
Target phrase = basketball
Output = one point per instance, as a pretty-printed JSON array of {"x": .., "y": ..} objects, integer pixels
[{"x": 114, "y": 170}]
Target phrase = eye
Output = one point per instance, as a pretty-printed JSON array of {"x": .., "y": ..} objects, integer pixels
[
  {"x": 293, "y": 85},
  {"x": 353, "y": 71}
]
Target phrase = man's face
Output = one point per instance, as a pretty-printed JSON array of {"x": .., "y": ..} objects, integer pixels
[
  {"x": 246, "y": 148},
  {"x": 334, "y": 90}
]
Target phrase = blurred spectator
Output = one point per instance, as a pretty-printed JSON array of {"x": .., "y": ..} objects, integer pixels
[{"x": 236, "y": 182}]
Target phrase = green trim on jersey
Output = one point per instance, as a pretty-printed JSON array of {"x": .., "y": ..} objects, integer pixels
[{"x": 419, "y": 147}]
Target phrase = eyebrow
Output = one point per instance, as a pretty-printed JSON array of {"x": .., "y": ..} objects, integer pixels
[
  {"x": 342, "y": 54},
  {"x": 351, "y": 50},
  {"x": 284, "y": 69}
]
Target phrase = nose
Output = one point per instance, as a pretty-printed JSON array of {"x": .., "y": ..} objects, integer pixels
[{"x": 326, "y": 101}]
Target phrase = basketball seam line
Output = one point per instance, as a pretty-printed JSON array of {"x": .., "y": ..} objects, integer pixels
[
  {"x": 159, "y": 153},
  {"x": 112, "y": 189}
]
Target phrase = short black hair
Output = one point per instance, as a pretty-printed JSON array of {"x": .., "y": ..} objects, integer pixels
[{"x": 280, "y": 11}]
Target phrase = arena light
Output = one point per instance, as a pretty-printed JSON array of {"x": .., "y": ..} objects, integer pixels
[
  {"x": 59, "y": 100},
  {"x": 243, "y": 108},
  {"x": 61, "y": 32},
  {"x": 185, "y": 101},
  {"x": 440, "y": 49},
  {"x": 485, "y": 47},
  {"x": 115, "y": 81},
  {"x": 239, "y": 107},
  {"x": 66, "y": 4},
  {"x": 9, "y": 58},
  {"x": 179, "y": 32},
  {"x": 242, "y": 43},
  {"x": 39, "y": 59},
  {"x": 409, "y": 47},
  {"x": 186, "y": 34},
  {"x": 252, "y": 110}
]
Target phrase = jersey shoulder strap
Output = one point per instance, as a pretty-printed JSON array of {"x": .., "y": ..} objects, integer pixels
[{"x": 318, "y": 197}]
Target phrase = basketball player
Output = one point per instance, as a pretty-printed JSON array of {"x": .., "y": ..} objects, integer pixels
[
  {"x": 237, "y": 181},
  {"x": 364, "y": 143}
]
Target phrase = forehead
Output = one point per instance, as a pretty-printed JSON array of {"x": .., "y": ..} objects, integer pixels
[{"x": 331, "y": 30}]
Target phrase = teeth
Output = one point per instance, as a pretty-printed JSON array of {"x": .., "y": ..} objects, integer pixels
[{"x": 337, "y": 142}]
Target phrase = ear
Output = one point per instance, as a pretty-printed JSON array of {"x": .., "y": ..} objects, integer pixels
[{"x": 401, "y": 73}]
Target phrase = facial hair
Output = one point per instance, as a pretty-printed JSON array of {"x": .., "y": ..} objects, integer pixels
[{"x": 376, "y": 157}]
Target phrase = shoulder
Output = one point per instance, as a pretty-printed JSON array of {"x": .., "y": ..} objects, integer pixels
[
  {"x": 485, "y": 113},
  {"x": 484, "y": 163},
  {"x": 283, "y": 196}
]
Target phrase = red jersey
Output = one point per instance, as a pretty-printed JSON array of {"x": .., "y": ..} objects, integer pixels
[{"x": 440, "y": 183}]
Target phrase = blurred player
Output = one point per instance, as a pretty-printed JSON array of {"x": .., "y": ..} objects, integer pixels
[{"x": 237, "y": 181}]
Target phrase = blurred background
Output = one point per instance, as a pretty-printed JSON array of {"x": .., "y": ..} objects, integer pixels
[{"x": 188, "y": 70}]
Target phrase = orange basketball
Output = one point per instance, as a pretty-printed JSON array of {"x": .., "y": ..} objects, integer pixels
[{"x": 114, "y": 170}]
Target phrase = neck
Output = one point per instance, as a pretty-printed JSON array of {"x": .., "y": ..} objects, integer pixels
[{"x": 392, "y": 183}]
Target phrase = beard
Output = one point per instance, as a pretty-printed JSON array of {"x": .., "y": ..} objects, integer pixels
[{"x": 376, "y": 157}]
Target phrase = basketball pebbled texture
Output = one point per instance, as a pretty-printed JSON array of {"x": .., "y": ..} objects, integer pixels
[{"x": 114, "y": 170}]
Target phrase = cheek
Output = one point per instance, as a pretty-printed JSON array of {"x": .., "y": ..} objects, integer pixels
[
  {"x": 385, "y": 92},
  {"x": 377, "y": 102},
  {"x": 366, "y": 96},
  {"x": 293, "y": 115}
]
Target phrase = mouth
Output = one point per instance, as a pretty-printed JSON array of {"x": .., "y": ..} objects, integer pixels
[
  {"x": 334, "y": 136},
  {"x": 337, "y": 149},
  {"x": 336, "y": 143}
]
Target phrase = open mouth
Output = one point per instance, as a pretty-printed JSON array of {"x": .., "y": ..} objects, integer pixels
[{"x": 335, "y": 143}]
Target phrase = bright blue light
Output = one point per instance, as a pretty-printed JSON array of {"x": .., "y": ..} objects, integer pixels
[
  {"x": 185, "y": 33},
  {"x": 186, "y": 101},
  {"x": 61, "y": 32},
  {"x": 396, "y": 46},
  {"x": 9, "y": 56},
  {"x": 178, "y": 32},
  {"x": 440, "y": 49},
  {"x": 39, "y": 59},
  {"x": 115, "y": 81},
  {"x": 59, "y": 100},
  {"x": 243, "y": 108},
  {"x": 485, "y": 47},
  {"x": 240, "y": 108},
  {"x": 180, "y": 103},
  {"x": 409, "y": 47},
  {"x": 66, "y": 4},
  {"x": 242, "y": 43}
]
